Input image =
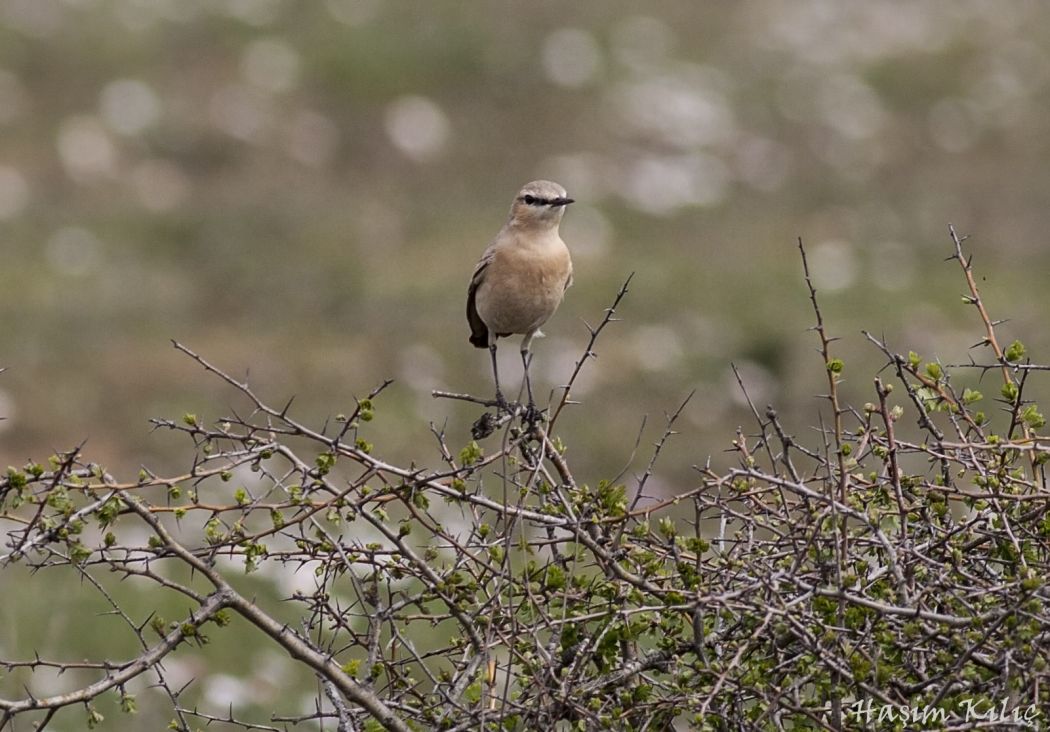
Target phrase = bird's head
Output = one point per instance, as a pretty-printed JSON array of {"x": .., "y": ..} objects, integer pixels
[{"x": 540, "y": 203}]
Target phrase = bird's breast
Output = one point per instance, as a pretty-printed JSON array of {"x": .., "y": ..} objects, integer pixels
[{"x": 524, "y": 285}]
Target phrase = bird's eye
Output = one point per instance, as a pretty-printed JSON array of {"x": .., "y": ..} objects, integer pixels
[{"x": 529, "y": 199}]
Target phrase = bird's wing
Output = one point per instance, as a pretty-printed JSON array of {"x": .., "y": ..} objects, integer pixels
[{"x": 479, "y": 332}]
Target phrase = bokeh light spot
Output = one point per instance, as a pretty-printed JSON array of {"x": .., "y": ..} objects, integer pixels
[
  {"x": 417, "y": 127},
  {"x": 129, "y": 106},
  {"x": 85, "y": 148},
  {"x": 833, "y": 265},
  {"x": 571, "y": 57}
]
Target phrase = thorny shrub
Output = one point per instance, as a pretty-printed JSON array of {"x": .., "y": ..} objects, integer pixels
[{"x": 867, "y": 581}]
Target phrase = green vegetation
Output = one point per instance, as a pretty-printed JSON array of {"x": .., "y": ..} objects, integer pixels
[{"x": 864, "y": 576}]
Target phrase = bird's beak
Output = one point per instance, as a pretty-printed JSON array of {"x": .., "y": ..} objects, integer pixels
[{"x": 562, "y": 202}]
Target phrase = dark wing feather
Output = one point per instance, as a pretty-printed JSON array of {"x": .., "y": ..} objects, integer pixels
[{"x": 479, "y": 332}]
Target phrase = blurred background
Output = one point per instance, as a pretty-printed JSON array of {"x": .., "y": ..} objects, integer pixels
[{"x": 299, "y": 192}]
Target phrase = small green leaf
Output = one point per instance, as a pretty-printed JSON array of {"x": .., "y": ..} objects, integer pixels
[
  {"x": 1032, "y": 417},
  {"x": 1015, "y": 352},
  {"x": 78, "y": 553},
  {"x": 836, "y": 365},
  {"x": 366, "y": 413},
  {"x": 157, "y": 623},
  {"x": 1009, "y": 392},
  {"x": 94, "y": 718},
  {"x": 934, "y": 370},
  {"x": 324, "y": 462},
  {"x": 471, "y": 454},
  {"x": 473, "y": 692},
  {"x": 213, "y": 532},
  {"x": 127, "y": 704}
]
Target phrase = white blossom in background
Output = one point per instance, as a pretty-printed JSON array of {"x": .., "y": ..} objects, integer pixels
[
  {"x": 829, "y": 33},
  {"x": 417, "y": 127},
  {"x": 833, "y": 265},
  {"x": 571, "y": 57},
  {"x": 85, "y": 148},
  {"x": 687, "y": 108},
  {"x": 129, "y": 106},
  {"x": 588, "y": 231},
  {"x": 223, "y": 690},
  {"x": 587, "y": 176},
  {"x": 850, "y": 106},
  {"x": 659, "y": 184}
]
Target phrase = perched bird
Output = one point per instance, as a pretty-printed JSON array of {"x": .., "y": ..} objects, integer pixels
[{"x": 521, "y": 278}]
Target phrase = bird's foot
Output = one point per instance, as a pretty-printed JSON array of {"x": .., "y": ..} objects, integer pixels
[
  {"x": 533, "y": 415},
  {"x": 502, "y": 405}
]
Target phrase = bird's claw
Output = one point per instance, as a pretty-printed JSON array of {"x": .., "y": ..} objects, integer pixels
[
  {"x": 532, "y": 415},
  {"x": 502, "y": 405}
]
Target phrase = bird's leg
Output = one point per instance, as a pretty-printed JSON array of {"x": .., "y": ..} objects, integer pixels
[
  {"x": 501, "y": 403},
  {"x": 532, "y": 415}
]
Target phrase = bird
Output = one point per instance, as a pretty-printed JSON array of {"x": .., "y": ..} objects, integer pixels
[{"x": 521, "y": 278}]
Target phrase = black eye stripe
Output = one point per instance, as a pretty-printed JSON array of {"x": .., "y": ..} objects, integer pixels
[{"x": 531, "y": 200}]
